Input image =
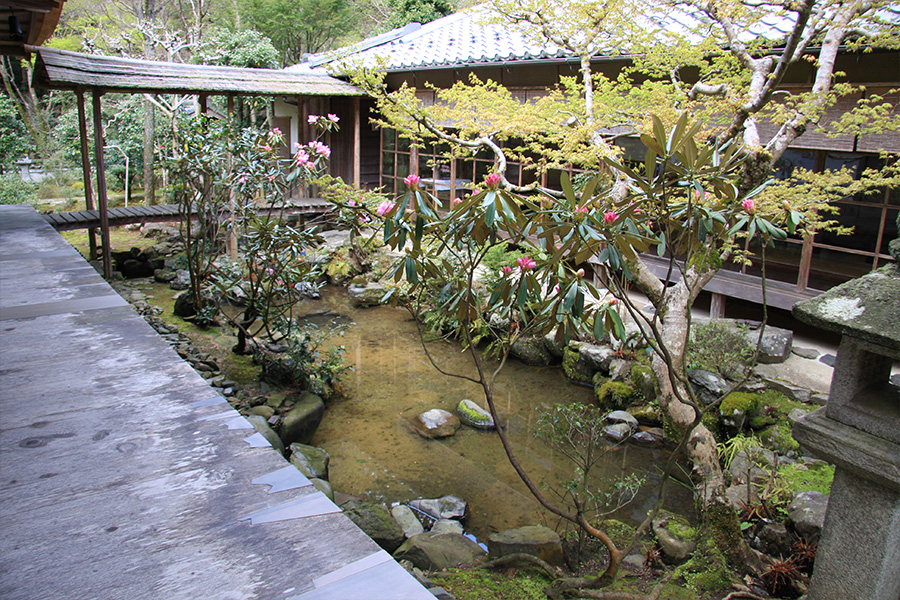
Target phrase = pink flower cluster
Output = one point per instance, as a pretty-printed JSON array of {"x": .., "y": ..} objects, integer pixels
[
  {"x": 319, "y": 148},
  {"x": 609, "y": 217},
  {"x": 492, "y": 181},
  {"x": 525, "y": 263},
  {"x": 412, "y": 181},
  {"x": 302, "y": 160},
  {"x": 384, "y": 208},
  {"x": 506, "y": 270},
  {"x": 749, "y": 206},
  {"x": 313, "y": 119}
]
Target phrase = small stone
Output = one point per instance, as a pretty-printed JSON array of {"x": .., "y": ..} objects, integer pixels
[
  {"x": 263, "y": 411},
  {"x": 810, "y": 353},
  {"x": 473, "y": 415},
  {"x": 617, "y": 432},
  {"x": 535, "y": 540},
  {"x": 621, "y": 416},
  {"x": 828, "y": 359},
  {"x": 447, "y": 526},
  {"x": 323, "y": 486},
  {"x": 807, "y": 513},
  {"x": 650, "y": 437},
  {"x": 708, "y": 385},
  {"x": 675, "y": 547},
  {"x": 311, "y": 461},
  {"x": 407, "y": 520},
  {"x": 436, "y": 423},
  {"x": 447, "y": 507}
]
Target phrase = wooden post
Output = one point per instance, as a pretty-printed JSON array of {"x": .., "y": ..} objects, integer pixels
[
  {"x": 232, "y": 229},
  {"x": 357, "y": 144},
  {"x": 101, "y": 185},
  {"x": 86, "y": 171},
  {"x": 717, "y": 306}
]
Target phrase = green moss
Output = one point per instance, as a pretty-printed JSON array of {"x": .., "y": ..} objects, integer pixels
[
  {"x": 779, "y": 437},
  {"x": 524, "y": 584},
  {"x": 802, "y": 478},
  {"x": 614, "y": 395},
  {"x": 643, "y": 380},
  {"x": 649, "y": 414},
  {"x": 718, "y": 552},
  {"x": 571, "y": 367},
  {"x": 241, "y": 369},
  {"x": 642, "y": 587},
  {"x": 739, "y": 401}
]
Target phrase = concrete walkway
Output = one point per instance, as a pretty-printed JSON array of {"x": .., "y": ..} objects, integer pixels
[{"x": 124, "y": 476}]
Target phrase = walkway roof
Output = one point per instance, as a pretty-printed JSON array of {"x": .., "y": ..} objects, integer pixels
[{"x": 64, "y": 70}]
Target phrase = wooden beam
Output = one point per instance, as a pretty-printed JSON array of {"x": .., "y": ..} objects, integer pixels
[
  {"x": 717, "y": 306},
  {"x": 86, "y": 171},
  {"x": 101, "y": 185}
]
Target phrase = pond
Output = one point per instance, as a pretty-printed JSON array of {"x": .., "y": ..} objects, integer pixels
[{"x": 376, "y": 455}]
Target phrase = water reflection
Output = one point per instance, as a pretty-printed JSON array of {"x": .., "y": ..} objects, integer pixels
[{"x": 375, "y": 453}]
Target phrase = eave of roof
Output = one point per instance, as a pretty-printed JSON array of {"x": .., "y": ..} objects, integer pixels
[{"x": 64, "y": 70}]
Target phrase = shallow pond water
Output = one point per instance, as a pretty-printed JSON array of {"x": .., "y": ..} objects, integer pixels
[{"x": 375, "y": 453}]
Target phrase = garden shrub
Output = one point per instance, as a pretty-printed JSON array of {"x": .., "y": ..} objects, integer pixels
[
  {"x": 15, "y": 191},
  {"x": 720, "y": 347}
]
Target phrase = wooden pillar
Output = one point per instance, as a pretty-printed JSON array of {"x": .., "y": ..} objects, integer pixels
[
  {"x": 86, "y": 171},
  {"x": 232, "y": 238},
  {"x": 357, "y": 143},
  {"x": 717, "y": 306},
  {"x": 101, "y": 185}
]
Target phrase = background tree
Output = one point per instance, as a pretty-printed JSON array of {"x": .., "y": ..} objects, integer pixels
[
  {"x": 296, "y": 28},
  {"x": 417, "y": 11},
  {"x": 14, "y": 142}
]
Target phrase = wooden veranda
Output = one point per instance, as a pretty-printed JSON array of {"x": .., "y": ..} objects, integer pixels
[{"x": 99, "y": 75}]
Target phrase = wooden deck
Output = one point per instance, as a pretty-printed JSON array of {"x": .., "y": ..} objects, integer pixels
[
  {"x": 90, "y": 219},
  {"x": 124, "y": 475}
]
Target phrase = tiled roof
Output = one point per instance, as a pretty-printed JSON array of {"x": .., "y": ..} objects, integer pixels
[
  {"x": 463, "y": 38},
  {"x": 469, "y": 38}
]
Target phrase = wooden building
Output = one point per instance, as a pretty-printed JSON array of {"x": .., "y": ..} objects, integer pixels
[{"x": 447, "y": 50}]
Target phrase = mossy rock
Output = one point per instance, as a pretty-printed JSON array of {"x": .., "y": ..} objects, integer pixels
[
  {"x": 575, "y": 371},
  {"x": 779, "y": 437},
  {"x": 614, "y": 395},
  {"x": 648, "y": 414},
  {"x": 644, "y": 381}
]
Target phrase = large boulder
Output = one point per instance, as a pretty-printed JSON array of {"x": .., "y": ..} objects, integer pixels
[
  {"x": 311, "y": 461},
  {"x": 436, "y": 423},
  {"x": 184, "y": 305},
  {"x": 448, "y": 507},
  {"x": 435, "y": 552},
  {"x": 261, "y": 425},
  {"x": 707, "y": 385},
  {"x": 369, "y": 294},
  {"x": 775, "y": 347},
  {"x": 532, "y": 352},
  {"x": 473, "y": 415},
  {"x": 807, "y": 514},
  {"x": 535, "y": 540},
  {"x": 582, "y": 361},
  {"x": 376, "y": 521},
  {"x": 301, "y": 422},
  {"x": 447, "y": 526}
]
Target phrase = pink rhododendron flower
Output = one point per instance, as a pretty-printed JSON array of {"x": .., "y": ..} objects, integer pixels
[
  {"x": 302, "y": 159},
  {"x": 276, "y": 131},
  {"x": 613, "y": 301},
  {"x": 579, "y": 273},
  {"x": 492, "y": 181},
  {"x": 581, "y": 209},
  {"x": 506, "y": 270},
  {"x": 333, "y": 118},
  {"x": 456, "y": 201},
  {"x": 412, "y": 181},
  {"x": 242, "y": 179},
  {"x": 319, "y": 148},
  {"x": 609, "y": 217},
  {"x": 312, "y": 119},
  {"x": 384, "y": 208},
  {"x": 749, "y": 206},
  {"x": 557, "y": 288},
  {"x": 272, "y": 177},
  {"x": 525, "y": 263},
  {"x": 267, "y": 148},
  {"x": 637, "y": 211}
]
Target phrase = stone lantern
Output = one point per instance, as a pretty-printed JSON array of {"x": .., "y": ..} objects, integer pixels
[{"x": 859, "y": 431}]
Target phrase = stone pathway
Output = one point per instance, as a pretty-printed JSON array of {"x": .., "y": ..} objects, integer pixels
[{"x": 124, "y": 475}]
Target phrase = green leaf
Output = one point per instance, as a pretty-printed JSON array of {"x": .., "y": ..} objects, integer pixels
[
  {"x": 411, "y": 274},
  {"x": 566, "y": 184},
  {"x": 599, "y": 329}
]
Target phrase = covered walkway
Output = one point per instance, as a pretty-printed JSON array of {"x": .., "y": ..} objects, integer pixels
[{"x": 123, "y": 475}]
